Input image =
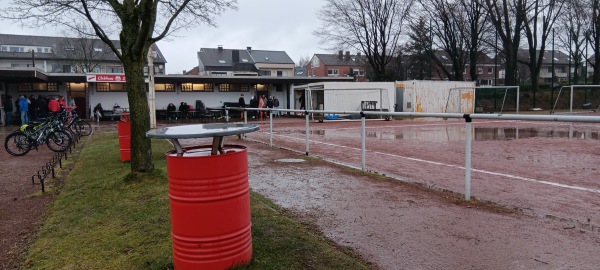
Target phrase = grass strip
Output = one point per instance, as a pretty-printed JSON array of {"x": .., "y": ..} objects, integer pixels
[{"x": 107, "y": 218}]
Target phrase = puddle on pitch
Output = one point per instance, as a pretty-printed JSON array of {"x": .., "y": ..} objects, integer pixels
[{"x": 457, "y": 133}]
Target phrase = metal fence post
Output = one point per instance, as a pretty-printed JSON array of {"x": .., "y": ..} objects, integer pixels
[
  {"x": 307, "y": 131},
  {"x": 468, "y": 157},
  {"x": 270, "y": 128},
  {"x": 363, "y": 138}
]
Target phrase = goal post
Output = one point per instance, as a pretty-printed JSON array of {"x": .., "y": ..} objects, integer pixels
[
  {"x": 586, "y": 97},
  {"x": 497, "y": 99}
]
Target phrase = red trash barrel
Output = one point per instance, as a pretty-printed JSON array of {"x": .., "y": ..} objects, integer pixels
[
  {"x": 124, "y": 131},
  {"x": 209, "y": 197}
]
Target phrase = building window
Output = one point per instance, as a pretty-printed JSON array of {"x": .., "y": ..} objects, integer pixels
[
  {"x": 563, "y": 69},
  {"x": 265, "y": 73},
  {"x": 314, "y": 62},
  {"x": 67, "y": 69},
  {"x": 224, "y": 87},
  {"x": 550, "y": 69},
  {"x": 218, "y": 73},
  {"x": 490, "y": 70},
  {"x": 16, "y": 49},
  {"x": 196, "y": 87},
  {"x": 102, "y": 87},
  {"x": 279, "y": 73},
  {"x": 110, "y": 87},
  {"x": 38, "y": 87},
  {"x": 479, "y": 70},
  {"x": 69, "y": 48},
  {"x": 114, "y": 69},
  {"x": 164, "y": 87},
  {"x": 358, "y": 72},
  {"x": 332, "y": 72}
]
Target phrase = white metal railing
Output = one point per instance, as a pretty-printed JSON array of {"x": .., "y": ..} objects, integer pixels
[{"x": 468, "y": 119}]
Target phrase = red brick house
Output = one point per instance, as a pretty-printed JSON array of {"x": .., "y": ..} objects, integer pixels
[{"x": 337, "y": 65}]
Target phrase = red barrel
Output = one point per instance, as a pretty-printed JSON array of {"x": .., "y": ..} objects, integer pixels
[
  {"x": 210, "y": 208},
  {"x": 124, "y": 130}
]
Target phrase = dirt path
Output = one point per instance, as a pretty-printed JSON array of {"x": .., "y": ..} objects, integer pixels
[{"x": 21, "y": 204}]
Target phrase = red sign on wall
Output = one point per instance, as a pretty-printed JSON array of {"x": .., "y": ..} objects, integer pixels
[{"x": 105, "y": 78}]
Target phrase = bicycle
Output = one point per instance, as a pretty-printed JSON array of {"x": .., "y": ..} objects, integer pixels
[
  {"x": 75, "y": 124},
  {"x": 28, "y": 137}
]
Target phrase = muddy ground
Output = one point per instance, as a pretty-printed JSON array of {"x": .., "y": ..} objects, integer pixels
[{"x": 530, "y": 225}]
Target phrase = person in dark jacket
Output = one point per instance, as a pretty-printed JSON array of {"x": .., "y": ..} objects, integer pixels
[
  {"x": 42, "y": 105},
  {"x": 242, "y": 104},
  {"x": 253, "y": 104},
  {"x": 8, "y": 111}
]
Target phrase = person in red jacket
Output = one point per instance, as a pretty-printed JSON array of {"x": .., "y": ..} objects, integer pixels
[
  {"x": 62, "y": 102},
  {"x": 53, "y": 105}
]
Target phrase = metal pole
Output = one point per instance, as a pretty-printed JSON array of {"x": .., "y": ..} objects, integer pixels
[
  {"x": 468, "y": 158},
  {"x": 496, "y": 62},
  {"x": 363, "y": 138},
  {"x": 518, "y": 93},
  {"x": 151, "y": 93},
  {"x": 381, "y": 102},
  {"x": 571, "y": 102},
  {"x": 270, "y": 128},
  {"x": 307, "y": 131}
]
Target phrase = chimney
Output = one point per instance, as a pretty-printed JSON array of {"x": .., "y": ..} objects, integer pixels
[
  {"x": 235, "y": 56},
  {"x": 347, "y": 55},
  {"x": 220, "y": 47},
  {"x": 249, "y": 49},
  {"x": 341, "y": 55}
]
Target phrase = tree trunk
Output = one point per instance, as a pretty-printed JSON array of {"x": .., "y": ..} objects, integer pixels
[{"x": 141, "y": 146}]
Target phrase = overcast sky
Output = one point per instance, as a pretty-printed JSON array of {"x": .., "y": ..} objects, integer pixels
[{"x": 278, "y": 25}]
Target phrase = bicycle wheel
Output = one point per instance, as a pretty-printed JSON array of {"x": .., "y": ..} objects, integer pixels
[
  {"x": 59, "y": 141},
  {"x": 84, "y": 128},
  {"x": 16, "y": 144}
]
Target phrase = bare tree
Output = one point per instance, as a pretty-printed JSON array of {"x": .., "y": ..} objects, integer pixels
[
  {"x": 508, "y": 17},
  {"x": 593, "y": 37},
  {"x": 139, "y": 24},
  {"x": 370, "y": 26},
  {"x": 82, "y": 53},
  {"x": 448, "y": 33},
  {"x": 303, "y": 61},
  {"x": 539, "y": 22},
  {"x": 476, "y": 26},
  {"x": 572, "y": 33}
]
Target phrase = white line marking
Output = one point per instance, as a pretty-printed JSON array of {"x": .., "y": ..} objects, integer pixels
[{"x": 456, "y": 166}]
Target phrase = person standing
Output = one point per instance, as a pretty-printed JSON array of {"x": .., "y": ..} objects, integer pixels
[
  {"x": 276, "y": 105},
  {"x": 62, "y": 102},
  {"x": 24, "y": 110},
  {"x": 54, "y": 105},
  {"x": 42, "y": 104},
  {"x": 8, "y": 111},
  {"x": 253, "y": 104},
  {"x": 33, "y": 109},
  {"x": 242, "y": 104},
  {"x": 261, "y": 104}
]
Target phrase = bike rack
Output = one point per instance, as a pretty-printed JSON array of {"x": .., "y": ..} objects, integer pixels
[{"x": 48, "y": 168}]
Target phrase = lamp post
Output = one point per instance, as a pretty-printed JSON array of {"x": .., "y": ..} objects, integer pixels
[{"x": 151, "y": 94}]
